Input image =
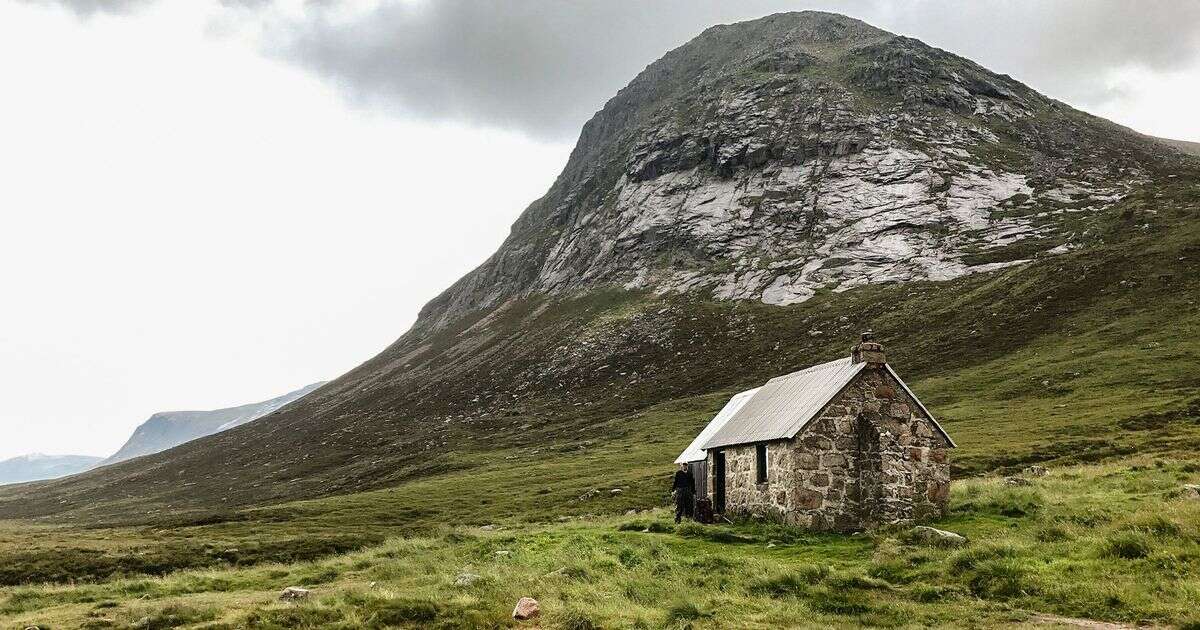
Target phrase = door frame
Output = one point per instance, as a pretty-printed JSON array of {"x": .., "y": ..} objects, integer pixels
[{"x": 718, "y": 482}]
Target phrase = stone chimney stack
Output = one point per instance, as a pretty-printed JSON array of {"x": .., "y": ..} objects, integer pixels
[{"x": 868, "y": 351}]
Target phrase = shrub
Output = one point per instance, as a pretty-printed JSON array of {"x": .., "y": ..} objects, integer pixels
[
  {"x": 686, "y": 611},
  {"x": 578, "y": 620},
  {"x": 969, "y": 559},
  {"x": 1052, "y": 533},
  {"x": 796, "y": 583},
  {"x": 838, "y": 602},
  {"x": 1000, "y": 578},
  {"x": 1127, "y": 545},
  {"x": 293, "y": 617},
  {"x": 1006, "y": 501},
  {"x": 174, "y": 616}
]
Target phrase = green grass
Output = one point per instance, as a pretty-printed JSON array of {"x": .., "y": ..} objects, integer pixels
[{"x": 1122, "y": 546}]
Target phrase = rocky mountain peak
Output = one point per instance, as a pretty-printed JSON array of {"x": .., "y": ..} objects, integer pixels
[{"x": 804, "y": 152}]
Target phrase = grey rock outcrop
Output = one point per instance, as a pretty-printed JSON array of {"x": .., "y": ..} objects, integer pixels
[{"x": 805, "y": 152}]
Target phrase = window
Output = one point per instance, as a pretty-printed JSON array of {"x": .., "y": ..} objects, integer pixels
[{"x": 760, "y": 462}]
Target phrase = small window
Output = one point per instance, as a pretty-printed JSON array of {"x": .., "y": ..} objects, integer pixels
[{"x": 760, "y": 462}]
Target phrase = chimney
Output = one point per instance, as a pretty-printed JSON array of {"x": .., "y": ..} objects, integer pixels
[{"x": 868, "y": 351}]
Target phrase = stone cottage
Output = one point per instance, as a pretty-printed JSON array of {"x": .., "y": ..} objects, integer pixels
[{"x": 840, "y": 446}]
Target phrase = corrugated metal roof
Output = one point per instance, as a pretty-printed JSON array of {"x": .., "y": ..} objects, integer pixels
[
  {"x": 782, "y": 407},
  {"x": 695, "y": 450}
]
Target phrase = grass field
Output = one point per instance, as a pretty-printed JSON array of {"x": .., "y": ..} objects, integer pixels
[{"x": 1116, "y": 542}]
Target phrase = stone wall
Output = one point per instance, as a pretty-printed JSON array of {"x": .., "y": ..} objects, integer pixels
[{"x": 871, "y": 457}]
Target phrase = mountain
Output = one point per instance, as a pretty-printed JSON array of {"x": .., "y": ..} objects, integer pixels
[
  {"x": 743, "y": 208},
  {"x": 168, "y": 429},
  {"x": 35, "y": 467}
]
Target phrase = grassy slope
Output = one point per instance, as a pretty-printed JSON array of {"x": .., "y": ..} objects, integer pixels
[{"x": 1111, "y": 541}]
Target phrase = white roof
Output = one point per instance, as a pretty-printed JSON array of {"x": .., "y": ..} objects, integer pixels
[
  {"x": 786, "y": 403},
  {"x": 695, "y": 451}
]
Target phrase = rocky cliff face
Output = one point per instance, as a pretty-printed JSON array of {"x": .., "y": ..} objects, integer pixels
[
  {"x": 802, "y": 152},
  {"x": 169, "y": 429}
]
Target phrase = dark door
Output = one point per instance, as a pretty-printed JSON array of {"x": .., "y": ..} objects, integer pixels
[
  {"x": 699, "y": 472},
  {"x": 718, "y": 499}
]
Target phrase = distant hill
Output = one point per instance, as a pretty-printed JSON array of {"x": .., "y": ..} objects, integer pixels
[
  {"x": 35, "y": 467},
  {"x": 1192, "y": 148},
  {"x": 168, "y": 429}
]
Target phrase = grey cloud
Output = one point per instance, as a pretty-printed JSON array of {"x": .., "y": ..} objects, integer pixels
[
  {"x": 541, "y": 67},
  {"x": 544, "y": 66}
]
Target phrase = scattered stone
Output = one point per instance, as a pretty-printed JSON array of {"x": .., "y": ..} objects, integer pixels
[
  {"x": 937, "y": 537},
  {"x": 590, "y": 494},
  {"x": 293, "y": 593},
  {"x": 527, "y": 608},
  {"x": 466, "y": 579},
  {"x": 1036, "y": 471},
  {"x": 1017, "y": 481}
]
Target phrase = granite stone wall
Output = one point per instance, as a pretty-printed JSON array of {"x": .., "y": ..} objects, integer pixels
[{"x": 871, "y": 457}]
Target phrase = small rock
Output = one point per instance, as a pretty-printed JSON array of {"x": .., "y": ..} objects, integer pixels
[
  {"x": 937, "y": 537},
  {"x": 631, "y": 512},
  {"x": 490, "y": 528},
  {"x": 1036, "y": 471},
  {"x": 1017, "y": 481},
  {"x": 466, "y": 579},
  {"x": 527, "y": 608},
  {"x": 1191, "y": 491},
  {"x": 589, "y": 494},
  {"x": 559, "y": 572},
  {"x": 503, "y": 553},
  {"x": 564, "y": 519},
  {"x": 292, "y": 593},
  {"x": 615, "y": 491}
]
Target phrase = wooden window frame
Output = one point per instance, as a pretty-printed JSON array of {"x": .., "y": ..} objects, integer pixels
[{"x": 760, "y": 463}]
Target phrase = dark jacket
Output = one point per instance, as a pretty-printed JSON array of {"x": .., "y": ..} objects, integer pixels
[{"x": 684, "y": 482}]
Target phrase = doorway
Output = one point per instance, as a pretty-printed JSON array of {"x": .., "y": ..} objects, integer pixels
[{"x": 718, "y": 499}]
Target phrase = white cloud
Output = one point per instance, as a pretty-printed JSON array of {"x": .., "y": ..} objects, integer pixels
[{"x": 190, "y": 225}]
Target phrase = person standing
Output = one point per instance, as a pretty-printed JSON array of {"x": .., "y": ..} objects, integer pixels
[{"x": 685, "y": 492}]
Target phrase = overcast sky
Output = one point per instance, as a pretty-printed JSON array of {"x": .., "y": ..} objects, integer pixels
[{"x": 205, "y": 203}]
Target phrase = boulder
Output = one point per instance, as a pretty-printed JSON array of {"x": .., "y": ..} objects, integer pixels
[
  {"x": 466, "y": 579},
  {"x": 293, "y": 593},
  {"x": 934, "y": 537},
  {"x": 527, "y": 608}
]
